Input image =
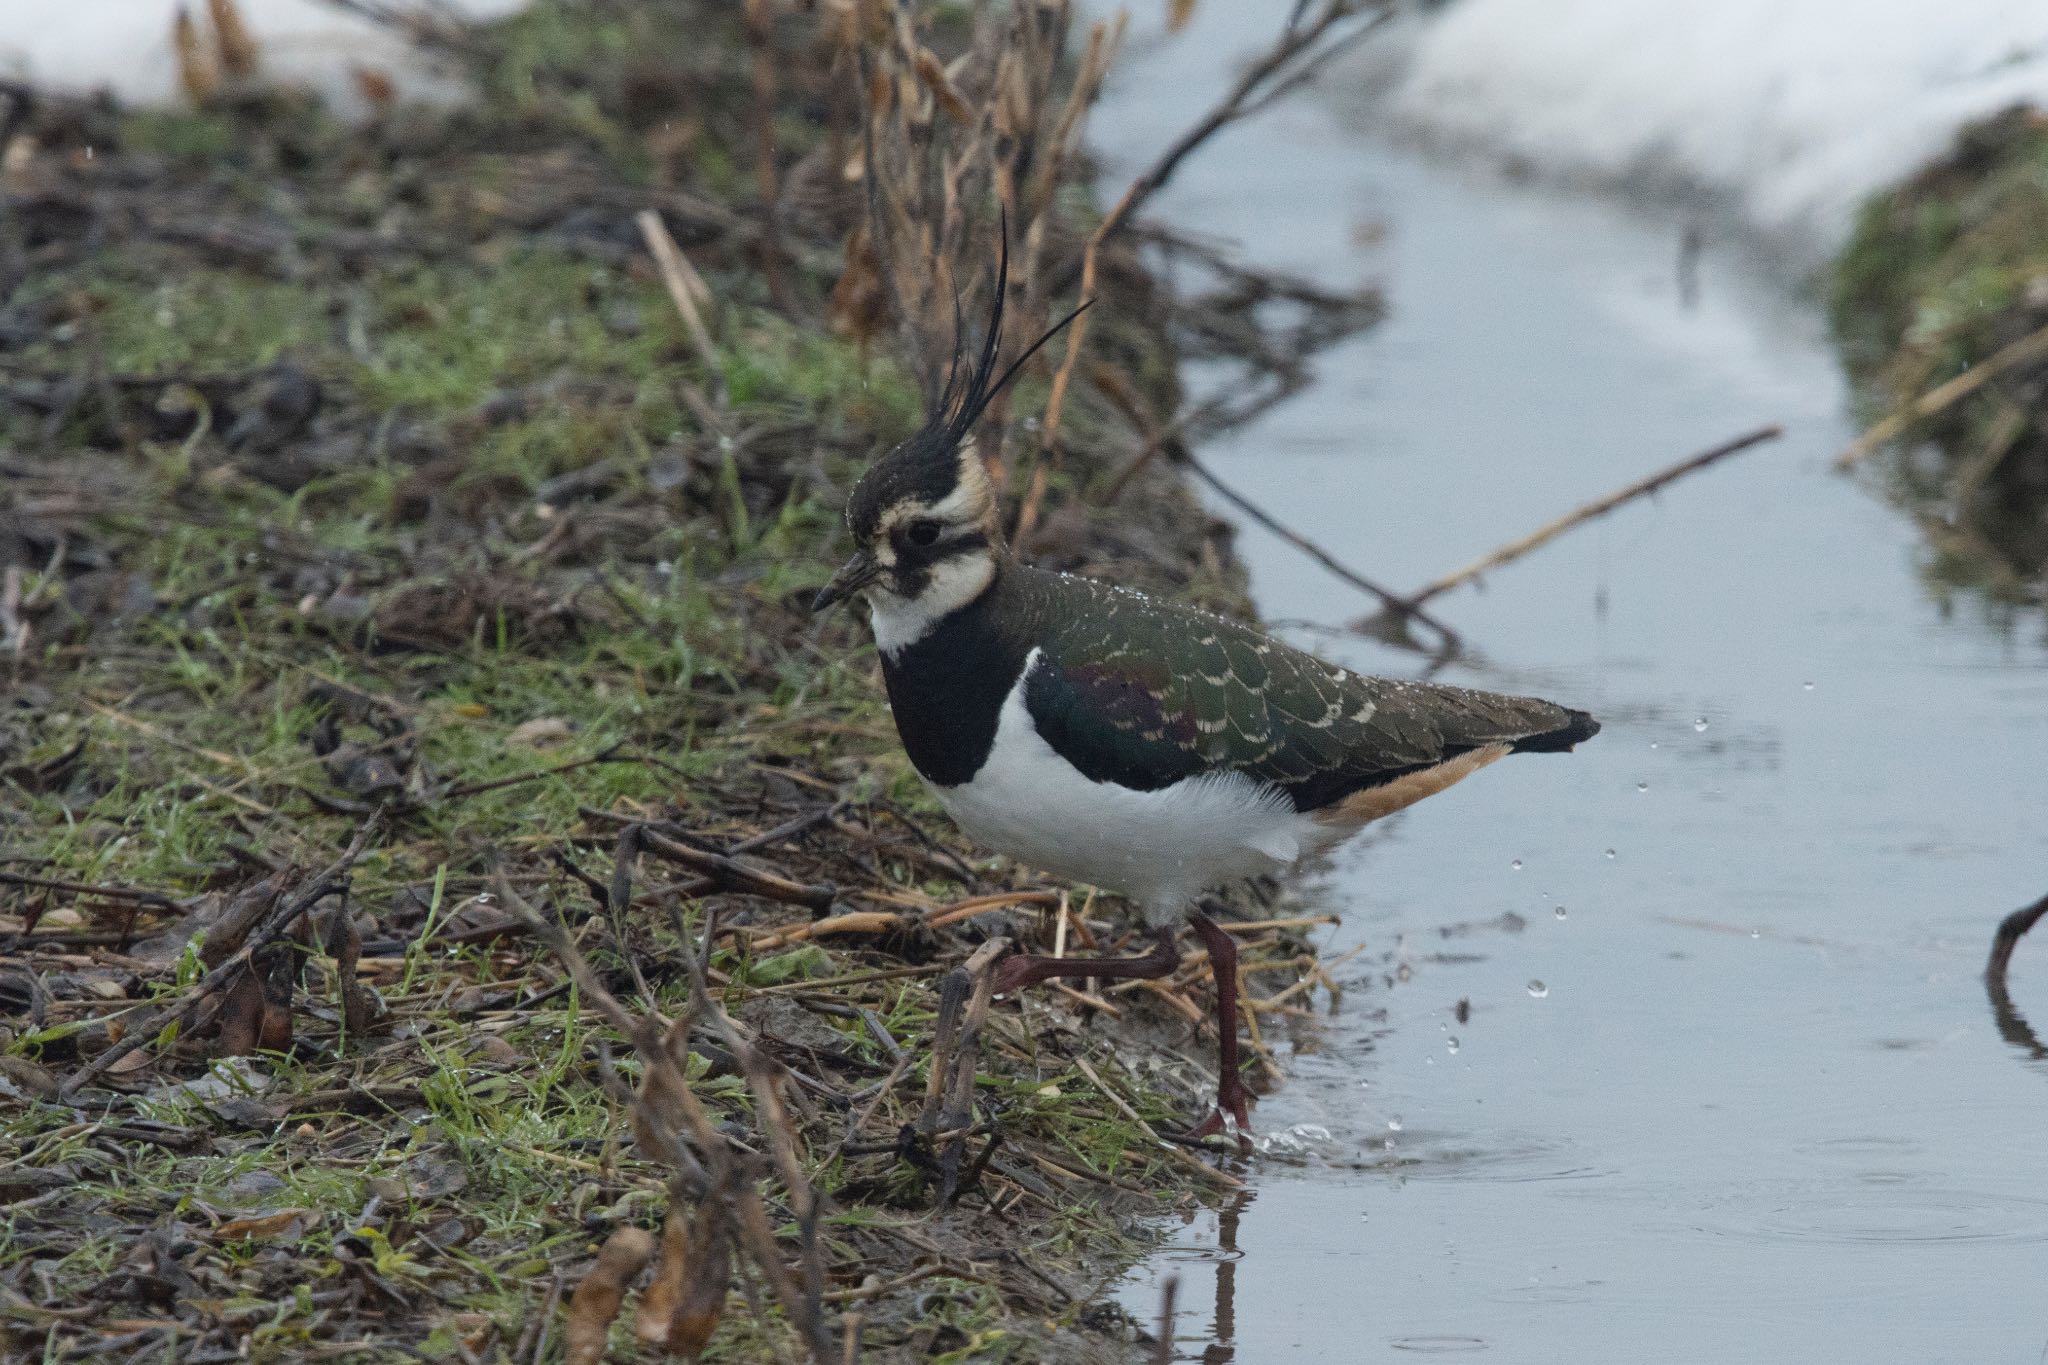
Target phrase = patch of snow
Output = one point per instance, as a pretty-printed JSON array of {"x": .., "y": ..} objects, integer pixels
[
  {"x": 1793, "y": 111},
  {"x": 125, "y": 48}
]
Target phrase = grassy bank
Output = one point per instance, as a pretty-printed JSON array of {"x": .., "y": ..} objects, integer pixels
[
  {"x": 1939, "y": 302},
  {"x": 380, "y": 544}
]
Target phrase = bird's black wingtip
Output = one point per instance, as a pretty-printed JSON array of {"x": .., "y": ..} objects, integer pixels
[{"x": 1579, "y": 727}]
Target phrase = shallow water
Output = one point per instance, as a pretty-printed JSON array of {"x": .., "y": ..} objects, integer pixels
[{"x": 1759, "y": 1108}]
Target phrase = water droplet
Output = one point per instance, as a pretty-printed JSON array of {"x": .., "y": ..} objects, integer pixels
[
  {"x": 1642, "y": 786},
  {"x": 1451, "y": 1043},
  {"x": 1699, "y": 723},
  {"x": 1394, "y": 1124},
  {"x": 1516, "y": 865},
  {"x": 1560, "y": 912},
  {"x": 1807, "y": 686},
  {"x": 1756, "y": 933},
  {"x": 1610, "y": 855},
  {"x": 1653, "y": 744},
  {"x": 1538, "y": 989}
]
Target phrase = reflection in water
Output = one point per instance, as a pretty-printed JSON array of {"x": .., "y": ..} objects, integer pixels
[
  {"x": 1987, "y": 544},
  {"x": 1222, "y": 1346},
  {"x": 1219, "y": 1339},
  {"x": 1786, "y": 1139},
  {"x": 2012, "y": 1025}
]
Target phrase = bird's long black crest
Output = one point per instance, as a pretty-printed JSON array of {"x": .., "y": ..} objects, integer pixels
[{"x": 968, "y": 393}]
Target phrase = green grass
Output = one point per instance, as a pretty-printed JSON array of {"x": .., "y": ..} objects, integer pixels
[
  {"x": 210, "y": 600},
  {"x": 1936, "y": 266},
  {"x": 1942, "y": 273}
]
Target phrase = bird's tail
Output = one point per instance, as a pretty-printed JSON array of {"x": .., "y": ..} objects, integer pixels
[{"x": 1578, "y": 727}]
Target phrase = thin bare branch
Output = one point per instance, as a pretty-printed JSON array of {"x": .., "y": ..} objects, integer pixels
[
  {"x": 1578, "y": 516},
  {"x": 274, "y": 925},
  {"x": 1941, "y": 397}
]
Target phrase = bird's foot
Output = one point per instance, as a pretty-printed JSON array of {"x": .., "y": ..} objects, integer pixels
[
  {"x": 1019, "y": 970},
  {"x": 1229, "y": 1117}
]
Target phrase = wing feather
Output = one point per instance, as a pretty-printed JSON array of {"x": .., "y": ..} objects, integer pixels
[{"x": 1145, "y": 694}]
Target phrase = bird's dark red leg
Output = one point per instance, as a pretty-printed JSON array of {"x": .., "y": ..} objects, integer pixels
[
  {"x": 1023, "y": 969},
  {"x": 1231, "y": 1096}
]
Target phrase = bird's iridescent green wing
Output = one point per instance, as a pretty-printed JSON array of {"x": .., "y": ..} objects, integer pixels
[{"x": 1142, "y": 693}]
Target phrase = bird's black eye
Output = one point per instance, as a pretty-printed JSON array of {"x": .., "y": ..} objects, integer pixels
[{"x": 922, "y": 533}]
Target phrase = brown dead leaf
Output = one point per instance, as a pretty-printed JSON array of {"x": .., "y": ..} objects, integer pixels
[
  {"x": 29, "y": 1076},
  {"x": 477, "y": 1329},
  {"x": 263, "y": 1226},
  {"x": 377, "y": 89},
  {"x": 710, "y": 1278},
  {"x": 659, "y": 1300},
  {"x": 662, "y": 1112},
  {"x": 278, "y": 969},
  {"x": 932, "y": 72},
  {"x": 130, "y": 1063},
  {"x": 877, "y": 19},
  {"x": 224, "y": 923},
  {"x": 50, "y": 774},
  {"x": 360, "y": 1006},
  {"x": 495, "y": 1051},
  {"x": 198, "y": 72},
  {"x": 241, "y": 1015},
  {"x": 255, "y": 1010},
  {"x": 860, "y": 300},
  {"x": 596, "y": 1301},
  {"x": 238, "y": 52}
]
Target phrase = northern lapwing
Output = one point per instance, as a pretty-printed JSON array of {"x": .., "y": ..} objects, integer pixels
[{"x": 1110, "y": 738}]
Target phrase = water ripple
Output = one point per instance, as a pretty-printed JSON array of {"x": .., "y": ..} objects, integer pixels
[{"x": 1875, "y": 1212}]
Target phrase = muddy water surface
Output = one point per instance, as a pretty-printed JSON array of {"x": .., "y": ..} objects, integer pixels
[{"x": 1730, "y": 1088}]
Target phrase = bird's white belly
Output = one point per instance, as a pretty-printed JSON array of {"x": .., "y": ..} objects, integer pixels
[{"x": 1162, "y": 848}]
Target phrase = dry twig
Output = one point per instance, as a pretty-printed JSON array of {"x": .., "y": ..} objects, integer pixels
[
  {"x": 1941, "y": 397},
  {"x": 956, "y": 1047},
  {"x": 1296, "y": 56},
  {"x": 274, "y": 925},
  {"x": 2012, "y": 1025},
  {"x": 1578, "y": 516},
  {"x": 672, "y": 1125},
  {"x": 2010, "y": 930},
  {"x": 686, "y": 288},
  {"x": 1387, "y": 598}
]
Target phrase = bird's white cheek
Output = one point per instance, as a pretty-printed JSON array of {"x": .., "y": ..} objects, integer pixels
[{"x": 902, "y": 621}]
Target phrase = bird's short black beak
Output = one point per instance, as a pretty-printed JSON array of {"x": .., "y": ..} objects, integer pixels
[{"x": 855, "y": 574}]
